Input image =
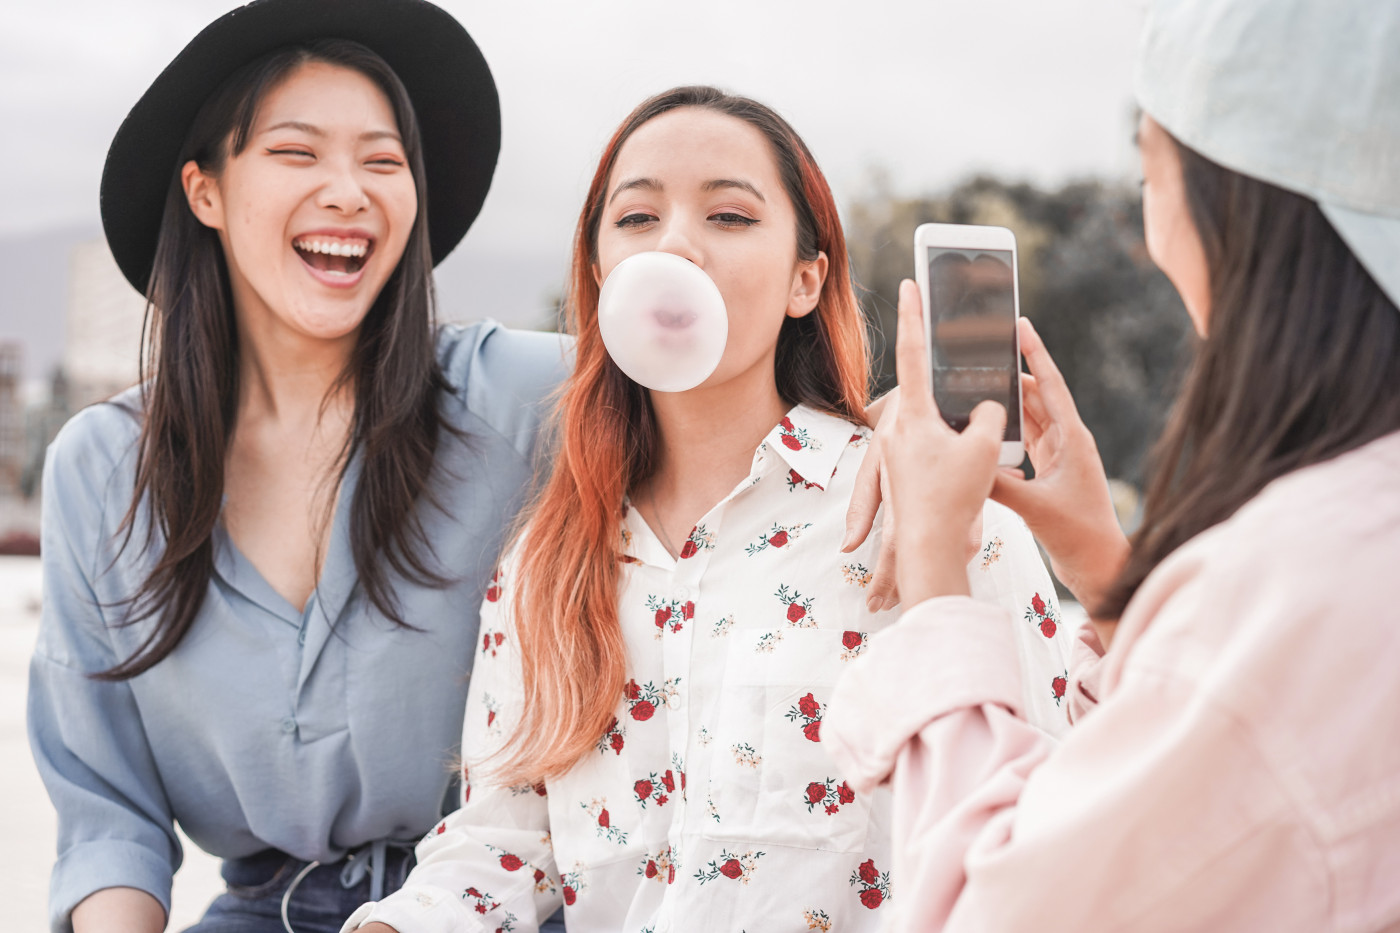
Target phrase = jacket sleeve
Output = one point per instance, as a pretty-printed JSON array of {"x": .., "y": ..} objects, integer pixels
[
  {"x": 114, "y": 823},
  {"x": 1159, "y": 812},
  {"x": 1009, "y": 572},
  {"x": 490, "y": 864}
]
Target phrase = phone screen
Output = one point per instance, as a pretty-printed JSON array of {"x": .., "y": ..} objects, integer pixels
[{"x": 972, "y": 313}]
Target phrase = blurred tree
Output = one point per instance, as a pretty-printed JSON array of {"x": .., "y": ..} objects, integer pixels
[{"x": 1112, "y": 321}]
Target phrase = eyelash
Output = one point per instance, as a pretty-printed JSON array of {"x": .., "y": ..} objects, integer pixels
[
  {"x": 731, "y": 219},
  {"x": 724, "y": 219},
  {"x": 301, "y": 152}
]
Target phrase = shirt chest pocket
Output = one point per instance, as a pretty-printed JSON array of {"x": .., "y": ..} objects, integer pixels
[{"x": 771, "y": 780}]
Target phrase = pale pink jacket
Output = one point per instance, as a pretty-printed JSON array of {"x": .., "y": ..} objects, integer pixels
[{"x": 1240, "y": 769}]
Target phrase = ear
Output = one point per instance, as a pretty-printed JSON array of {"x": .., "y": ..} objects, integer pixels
[
  {"x": 597, "y": 275},
  {"x": 807, "y": 286},
  {"x": 202, "y": 194}
]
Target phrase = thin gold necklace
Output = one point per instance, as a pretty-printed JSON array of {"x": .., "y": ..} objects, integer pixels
[{"x": 665, "y": 538}]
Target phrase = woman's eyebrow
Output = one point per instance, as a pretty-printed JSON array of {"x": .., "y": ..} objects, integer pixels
[
  {"x": 718, "y": 183},
  {"x": 648, "y": 184},
  {"x": 313, "y": 130}
]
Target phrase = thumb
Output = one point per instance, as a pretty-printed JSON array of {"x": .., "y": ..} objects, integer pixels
[
  {"x": 987, "y": 421},
  {"x": 1016, "y": 493}
]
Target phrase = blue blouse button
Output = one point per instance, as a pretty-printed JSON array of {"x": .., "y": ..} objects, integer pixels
[{"x": 289, "y": 725}]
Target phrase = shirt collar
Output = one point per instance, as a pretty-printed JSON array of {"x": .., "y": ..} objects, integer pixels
[{"x": 810, "y": 443}]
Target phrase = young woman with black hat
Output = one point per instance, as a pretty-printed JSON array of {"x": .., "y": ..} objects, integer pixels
[{"x": 262, "y": 565}]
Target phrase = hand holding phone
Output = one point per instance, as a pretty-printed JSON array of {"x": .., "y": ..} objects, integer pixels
[{"x": 968, "y": 283}]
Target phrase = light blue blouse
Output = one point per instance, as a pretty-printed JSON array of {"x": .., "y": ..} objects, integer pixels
[{"x": 314, "y": 732}]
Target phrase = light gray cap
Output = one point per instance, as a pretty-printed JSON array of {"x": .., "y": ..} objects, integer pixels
[{"x": 1303, "y": 94}]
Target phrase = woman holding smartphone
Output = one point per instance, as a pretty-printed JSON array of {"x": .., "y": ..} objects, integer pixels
[
  {"x": 644, "y": 727},
  {"x": 261, "y": 566},
  {"x": 1234, "y": 763}
]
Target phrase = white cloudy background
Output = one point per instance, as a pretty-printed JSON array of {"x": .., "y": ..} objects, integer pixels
[{"x": 925, "y": 91}]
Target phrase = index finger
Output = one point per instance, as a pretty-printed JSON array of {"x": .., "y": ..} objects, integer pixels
[
  {"x": 1053, "y": 392},
  {"x": 911, "y": 354}
]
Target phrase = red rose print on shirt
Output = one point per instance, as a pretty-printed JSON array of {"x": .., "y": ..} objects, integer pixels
[
  {"x": 778, "y": 537},
  {"x": 653, "y": 789},
  {"x": 1058, "y": 685},
  {"x": 734, "y": 866},
  {"x": 873, "y": 884},
  {"x": 613, "y": 738},
  {"x": 799, "y": 610},
  {"x": 828, "y": 795},
  {"x": 571, "y": 883},
  {"x": 642, "y": 701},
  {"x": 493, "y": 592},
  {"x": 1043, "y": 615},
  {"x": 796, "y": 482},
  {"x": 659, "y": 867},
  {"x": 511, "y": 862},
  {"x": 492, "y": 709},
  {"x": 795, "y": 438},
  {"x": 808, "y": 711},
  {"x": 699, "y": 539},
  {"x": 597, "y": 809},
  {"x": 491, "y": 642},
  {"x": 668, "y": 614}
]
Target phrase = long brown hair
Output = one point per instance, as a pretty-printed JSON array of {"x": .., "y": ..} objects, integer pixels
[
  {"x": 1302, "y": 363},
  {"x": 189, "y": 379},
  {"x": 565, "y": 587}
]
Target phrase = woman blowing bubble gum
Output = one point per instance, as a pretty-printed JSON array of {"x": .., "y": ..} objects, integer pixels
[{"x": 644, "y": 724}]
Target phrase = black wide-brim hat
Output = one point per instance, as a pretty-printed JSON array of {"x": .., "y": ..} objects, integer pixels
[{"x": 448, "y": 81}]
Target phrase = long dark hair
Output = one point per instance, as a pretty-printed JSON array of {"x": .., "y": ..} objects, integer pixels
[
  {"x": 189, "y": 378},
  {"x": 1302, "y": 363}
]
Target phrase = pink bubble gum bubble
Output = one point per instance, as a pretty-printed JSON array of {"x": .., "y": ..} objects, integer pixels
[{"x": 663, "y": 321}]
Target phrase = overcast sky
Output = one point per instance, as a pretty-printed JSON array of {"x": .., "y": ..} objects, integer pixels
[
  {"x": 929, "y": 90},
  {"x": 924, "y": 91}
]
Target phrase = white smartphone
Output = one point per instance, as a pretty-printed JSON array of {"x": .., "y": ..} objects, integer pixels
[{"x": 967, "y": 278}]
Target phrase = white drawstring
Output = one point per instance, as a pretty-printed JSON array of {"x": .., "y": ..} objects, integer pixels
[{"x": 287, "y": 898}]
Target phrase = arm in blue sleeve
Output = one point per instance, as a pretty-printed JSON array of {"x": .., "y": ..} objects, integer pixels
[
  {"x": 114, "y": 823},
  {"x": 508, "y": 377}
]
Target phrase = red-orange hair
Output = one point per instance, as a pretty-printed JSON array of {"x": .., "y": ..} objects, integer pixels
[{"x": 565, "y": 588}]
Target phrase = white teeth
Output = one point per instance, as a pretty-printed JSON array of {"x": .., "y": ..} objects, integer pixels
[{"x": 332, "y": 246}]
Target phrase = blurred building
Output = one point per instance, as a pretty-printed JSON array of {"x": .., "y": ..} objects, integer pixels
[
  {"x": 12, "y": 452},
  {"x": 102, "y": 346}
]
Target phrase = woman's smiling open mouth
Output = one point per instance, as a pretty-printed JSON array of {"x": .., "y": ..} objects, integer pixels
[{"x": 336, "y": 260}]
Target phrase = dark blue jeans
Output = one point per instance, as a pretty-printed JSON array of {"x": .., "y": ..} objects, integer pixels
[{"x": 320, "y": 903}]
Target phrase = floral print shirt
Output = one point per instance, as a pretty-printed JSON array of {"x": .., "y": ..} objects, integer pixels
[{"x": 710, "y": 803}]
